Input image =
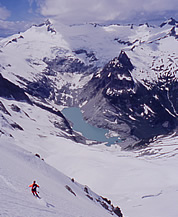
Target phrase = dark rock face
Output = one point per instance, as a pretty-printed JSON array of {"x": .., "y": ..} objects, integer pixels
[
  {"x": 144, "y": 112},
  {"x": 12, "y": 91},
  {"x": 15, "y": 108},
  {"x": 173, "y": 32},
  {"x": 117, "y": 76},
  {"x": 118, "y": 212},
  {"x": 16, "y": 126},
  {"x": 41, "y": 88},
  {"x": 104, "y": 202},
  {"x": 90, "y": 55},
  {"x": 67, "y": 64},
  {"x": 70, "y": 190},
  {"x": 114, "y": 77}
]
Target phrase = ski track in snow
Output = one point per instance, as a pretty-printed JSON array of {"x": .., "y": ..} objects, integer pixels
[
  {"x": 151, "y": 195},
  {"x": 8, "y": 183}
]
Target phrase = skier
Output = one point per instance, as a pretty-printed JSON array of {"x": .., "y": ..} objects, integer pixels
[{"x": 34, "y": 186}]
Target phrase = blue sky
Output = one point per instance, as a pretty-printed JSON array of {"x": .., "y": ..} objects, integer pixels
[
  {"x": 18, "y": 15},
  {"x": 19, "y": 10}
]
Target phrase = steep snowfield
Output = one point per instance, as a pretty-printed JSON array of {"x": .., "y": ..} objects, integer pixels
[
  {"x": 142, "y": 185},
  {"x": 18, "y": 168},
  {"x": 155, "y": 59}
]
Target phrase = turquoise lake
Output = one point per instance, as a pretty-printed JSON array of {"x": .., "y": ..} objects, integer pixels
[{"x": 90, "y": 132}]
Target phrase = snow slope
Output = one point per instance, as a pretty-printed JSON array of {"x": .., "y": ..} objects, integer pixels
[
  {"x": 141, "y": 182},
  {"x": 60, "y": 196}
]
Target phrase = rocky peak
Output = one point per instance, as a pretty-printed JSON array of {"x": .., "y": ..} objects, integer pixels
[
  {"x": 171, "y": 22},
  {"x": 121, "y": 63},
  {"x": 117, "y": 75},
  {"x": 124, "y": 59},
  {"x": 48, "y": 24}
]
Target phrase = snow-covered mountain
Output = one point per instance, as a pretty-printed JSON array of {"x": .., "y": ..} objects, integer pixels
[{"x": 123, "y": 78}]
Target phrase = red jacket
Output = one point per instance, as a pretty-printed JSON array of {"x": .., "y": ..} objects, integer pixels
[{"x": 34, "y": 186}]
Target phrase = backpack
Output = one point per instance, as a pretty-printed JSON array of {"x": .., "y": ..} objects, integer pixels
[{"x": 34, "y": 187}]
